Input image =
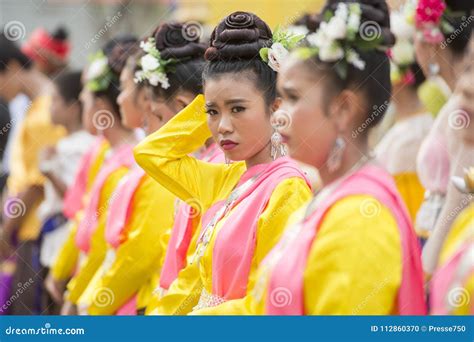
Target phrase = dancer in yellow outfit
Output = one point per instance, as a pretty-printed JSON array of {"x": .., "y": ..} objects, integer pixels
[
  {"x": 352, "y": 250},
  {"x": 25, "y": 182},
  {"x": 244, "y": 204},
  {"x": 142, "y": 210},
  {"x": 398, "y": 149},
  {"x": 99, "y": 102}
]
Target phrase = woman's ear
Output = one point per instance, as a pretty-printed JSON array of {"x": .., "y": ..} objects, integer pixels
[
  {"x": 143, "y": 100},
  {"x": 276, "y": 104},
  {"x": 344, "y": 109},
  {"x": 181, "y": 101}
]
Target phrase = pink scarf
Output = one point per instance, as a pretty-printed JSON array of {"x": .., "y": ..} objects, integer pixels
[
  {"x": 121, "y": 207},
  {"x": 235, "y": 243},
  {"x": 182, "y": 232},
  {"x": 445, "y": 277},
  {"x": 75, "y": 193},
  {"x": 122, "y": 157},
  {"x": 288, "y": 272}
]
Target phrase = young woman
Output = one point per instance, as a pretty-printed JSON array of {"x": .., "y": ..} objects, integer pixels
[
  {"x": 142, "y": 210},
  {"x": 58, "y": 164},
  {"x": 99, "y": 98},
  {"x": 26, "y": 182},
  {"x": 441, "y": 58},
  {"x": 323, "y": 263},
  {"x": 458, "y": 115},
  {"x": 398, "y": 149},
  {"x": 244, "y": 203}
]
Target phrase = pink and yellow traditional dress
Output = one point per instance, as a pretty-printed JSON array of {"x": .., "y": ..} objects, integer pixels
[
  {"x": 452, "y": 284},
  {"x": 75, "y": 199},
  {"x": 90, "y": 237},
  {"x": 397, "y": 152},
  {"x": 183, "y": 235},
  {"x": 351, "y": 251},
  {"x": 244, "y": 211},
  {"x": 140, "y": 213}
]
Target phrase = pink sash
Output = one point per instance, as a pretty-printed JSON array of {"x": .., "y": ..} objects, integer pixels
[
  {"x": 182, "y": 232},
  {"x": 235, "y": 243},
  {"x": 288, "y": 273},
  {"x": 74, "y": 194},
  {"x": 121, "y": 207},
  {"x": 122, "y": 157},
  {"x": 443, "y": 280}
]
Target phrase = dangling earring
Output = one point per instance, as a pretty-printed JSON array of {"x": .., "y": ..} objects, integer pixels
[
  {"x": 434, "y": 92},
  {"x": 335, "y": 156},
  {"x": 277, "y": 145}
]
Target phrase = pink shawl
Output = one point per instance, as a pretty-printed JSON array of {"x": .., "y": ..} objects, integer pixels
[
  {"x": 122, "y": 157},
  {"x": 444, "y": 278},
  {"x": 75, "y": 193},
  {"x": 235, "y": 243},
  {"x": 288, "y": 273},
  {"x": 182, "y": 232},
  {"x": 121, "y": 207}
]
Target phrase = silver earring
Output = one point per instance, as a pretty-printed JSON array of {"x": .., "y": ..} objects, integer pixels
[
  {"x": 335, "y": 156},
  {"x": 277, "y": 146},
  {"x": 433, "y": 69}
]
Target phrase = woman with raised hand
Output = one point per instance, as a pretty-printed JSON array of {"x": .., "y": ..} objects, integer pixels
[
  {"x": 99, "y": 100},
  {"x": 245, "y": 203},
  {"x": 142, "y": 210},
  {"x": 441, "y": 55},
  {"x": 352, "y": 249}
]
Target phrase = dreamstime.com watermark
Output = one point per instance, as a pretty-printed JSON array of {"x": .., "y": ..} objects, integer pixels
[
  {"x": 104, "y": 29},
  {"x": 14, "y": 297},
  {"x": 46, "y": 330}
]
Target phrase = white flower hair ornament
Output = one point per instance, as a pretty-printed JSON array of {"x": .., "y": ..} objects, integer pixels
[
  {"x": 98, "y": 74},
  {"x": 336, "y": 37},
  {"x": 152, "y": 67},
  {"x": 283, "y": 41}
]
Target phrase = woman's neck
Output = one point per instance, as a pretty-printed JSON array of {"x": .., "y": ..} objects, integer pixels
[
  {"x": 35, "y": 83},
  {"x": 261, "y": 157},
  {"x": 117, "y": 136},
  {"x": 449, "y": 71},
  {"x": 406, "y": 103},
  {"x": 352, "y": 154}
]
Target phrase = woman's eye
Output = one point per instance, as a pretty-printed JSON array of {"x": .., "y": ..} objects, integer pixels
[
  {"x": 237, "y": 109},
  {"x": 211, "y": 112}
]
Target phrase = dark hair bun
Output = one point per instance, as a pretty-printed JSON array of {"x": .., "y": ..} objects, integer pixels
[
  {"x": 179, "y": 40},
  {"x": 60, "y": 33},
  {"x": 118, "y": 50},
  {"x": 375, "y": 19},
  {"x": 310, "y": 21},
  {"x": 240, "y": 35}
]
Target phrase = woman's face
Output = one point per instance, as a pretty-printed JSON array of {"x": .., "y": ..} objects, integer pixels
[
  {"x": 304, "y": 125},
  {"x": 238, "y": 116},
  {"x": 131, "y": 112},
  {"x": 62, "y": 112},
  {"x": 465, "y": 87},
  {"x": 89, "y": 109},
  {"x": 10, "y": 85}
]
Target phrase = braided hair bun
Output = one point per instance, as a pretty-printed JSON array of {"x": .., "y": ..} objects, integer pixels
[
  {"x": 179, "y": 41},
  {"x": 239, "y": 36}
]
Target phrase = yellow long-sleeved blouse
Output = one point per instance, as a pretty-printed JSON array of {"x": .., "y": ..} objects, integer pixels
[
  {"x": 137, "y": 260},
  {"x": 66, "y": 260},
  {"x": 461, "y": 232},
  {"x": 88, "y": 264},
  {"x": 34, "y": 134},
  {"x": 164, "y": 155},
  {"x": 354, "y": 265}
]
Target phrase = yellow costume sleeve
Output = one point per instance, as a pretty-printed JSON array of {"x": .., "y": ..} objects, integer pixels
[
  {"x": 98, "y": 247},
  {"x": 137, "y": 258},
  {"x": 287, "y": 197},
  {"x": 355, "y": 262},
  {"x": 164, "y": 156},
  {"x": 66, "y": 260}
]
